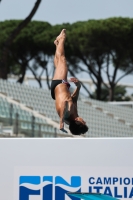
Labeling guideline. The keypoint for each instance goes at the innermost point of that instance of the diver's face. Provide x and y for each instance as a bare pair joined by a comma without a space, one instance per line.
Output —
79,120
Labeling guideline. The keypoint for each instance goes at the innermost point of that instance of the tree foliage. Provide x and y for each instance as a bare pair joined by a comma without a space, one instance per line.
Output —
120,94
98,44
101,48
4,69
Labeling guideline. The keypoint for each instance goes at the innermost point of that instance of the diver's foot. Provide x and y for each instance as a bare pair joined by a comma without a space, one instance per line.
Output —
62,35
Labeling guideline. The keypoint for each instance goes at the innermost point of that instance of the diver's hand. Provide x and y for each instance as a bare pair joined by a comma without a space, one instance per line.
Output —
63,130
62,127
75,81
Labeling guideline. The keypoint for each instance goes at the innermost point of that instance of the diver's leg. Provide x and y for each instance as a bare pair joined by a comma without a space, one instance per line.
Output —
60,59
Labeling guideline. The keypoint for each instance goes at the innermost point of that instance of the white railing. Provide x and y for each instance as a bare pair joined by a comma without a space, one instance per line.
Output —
122,103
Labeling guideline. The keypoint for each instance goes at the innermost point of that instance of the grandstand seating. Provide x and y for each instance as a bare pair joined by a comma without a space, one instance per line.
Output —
104,120
118,111
41,128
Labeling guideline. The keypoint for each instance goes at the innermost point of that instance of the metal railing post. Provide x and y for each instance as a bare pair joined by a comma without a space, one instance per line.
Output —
33,126
16,124
11,112
55,132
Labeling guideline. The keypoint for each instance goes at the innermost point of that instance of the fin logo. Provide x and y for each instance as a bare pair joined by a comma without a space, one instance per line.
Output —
48,187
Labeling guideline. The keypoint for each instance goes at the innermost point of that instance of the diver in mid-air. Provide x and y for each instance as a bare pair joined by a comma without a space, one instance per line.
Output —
65,102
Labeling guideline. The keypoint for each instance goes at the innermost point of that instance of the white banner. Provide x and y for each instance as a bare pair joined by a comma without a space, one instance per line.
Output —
53,183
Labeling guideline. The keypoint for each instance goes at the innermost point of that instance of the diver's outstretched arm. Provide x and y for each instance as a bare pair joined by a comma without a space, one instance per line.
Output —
62,115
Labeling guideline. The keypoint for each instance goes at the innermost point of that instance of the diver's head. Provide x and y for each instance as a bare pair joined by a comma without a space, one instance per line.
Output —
78,126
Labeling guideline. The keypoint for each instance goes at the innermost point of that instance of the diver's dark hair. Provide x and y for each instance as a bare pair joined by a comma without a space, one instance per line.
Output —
77,129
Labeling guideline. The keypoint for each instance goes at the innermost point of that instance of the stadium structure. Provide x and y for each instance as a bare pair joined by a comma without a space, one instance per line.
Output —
27,111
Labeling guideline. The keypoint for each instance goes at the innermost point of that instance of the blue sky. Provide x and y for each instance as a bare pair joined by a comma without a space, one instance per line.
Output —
59,11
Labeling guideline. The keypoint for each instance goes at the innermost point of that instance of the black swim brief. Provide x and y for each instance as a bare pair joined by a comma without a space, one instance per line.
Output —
55,83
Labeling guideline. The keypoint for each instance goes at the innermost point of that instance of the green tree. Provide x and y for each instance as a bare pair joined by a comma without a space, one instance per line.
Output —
30,50
4,70
101,48
120,94
98,44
